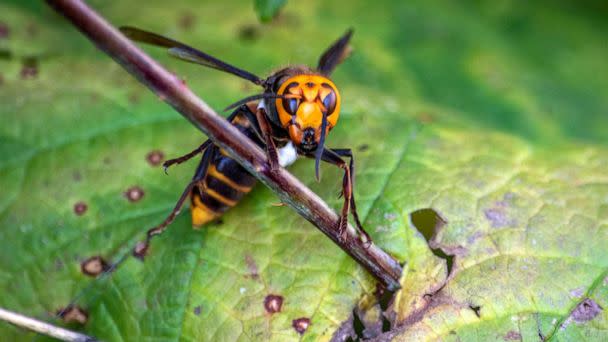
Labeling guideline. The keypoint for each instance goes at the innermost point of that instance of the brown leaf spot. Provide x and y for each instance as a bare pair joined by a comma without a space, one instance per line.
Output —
29,69
301,324
186,21
140,250
73,314
76,176
252,267
363,147
425,118
4,31
586,311
197,310
273,303
249,32
94,266
134,194
155,157
31,29
512,336
80,208
133,98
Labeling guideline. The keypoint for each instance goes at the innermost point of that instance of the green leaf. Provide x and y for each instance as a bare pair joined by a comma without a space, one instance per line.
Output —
268,9
492,116
527,229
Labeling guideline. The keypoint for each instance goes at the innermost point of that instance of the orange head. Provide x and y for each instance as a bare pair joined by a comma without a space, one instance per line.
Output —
306,102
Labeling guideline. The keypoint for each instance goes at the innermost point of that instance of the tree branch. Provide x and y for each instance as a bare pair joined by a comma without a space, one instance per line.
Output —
42,327
172,90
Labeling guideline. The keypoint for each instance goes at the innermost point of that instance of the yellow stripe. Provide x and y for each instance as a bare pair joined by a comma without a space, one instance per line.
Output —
241,121
200,213
215,173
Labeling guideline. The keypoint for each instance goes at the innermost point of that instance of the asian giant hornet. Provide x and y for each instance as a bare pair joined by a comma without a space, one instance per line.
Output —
298,107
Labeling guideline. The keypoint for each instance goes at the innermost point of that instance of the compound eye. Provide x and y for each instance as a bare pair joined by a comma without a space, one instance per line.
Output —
330,99
291,105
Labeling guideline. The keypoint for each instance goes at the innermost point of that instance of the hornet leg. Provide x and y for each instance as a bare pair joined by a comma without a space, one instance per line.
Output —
197,150
187,156
271,149
333,156
141,248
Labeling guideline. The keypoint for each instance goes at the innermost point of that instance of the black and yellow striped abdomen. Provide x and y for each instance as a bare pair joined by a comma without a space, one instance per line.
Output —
224,182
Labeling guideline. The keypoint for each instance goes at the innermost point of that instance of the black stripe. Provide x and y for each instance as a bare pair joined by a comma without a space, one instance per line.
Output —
211,203
233,171
223,189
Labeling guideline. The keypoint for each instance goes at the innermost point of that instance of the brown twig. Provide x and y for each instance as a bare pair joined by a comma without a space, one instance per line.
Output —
42,327
172,90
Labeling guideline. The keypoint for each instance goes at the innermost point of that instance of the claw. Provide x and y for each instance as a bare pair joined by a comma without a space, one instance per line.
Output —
365,239
273,160
274,165
168,164
342,230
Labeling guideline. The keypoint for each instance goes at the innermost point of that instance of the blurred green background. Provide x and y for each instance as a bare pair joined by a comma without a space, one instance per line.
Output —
447,105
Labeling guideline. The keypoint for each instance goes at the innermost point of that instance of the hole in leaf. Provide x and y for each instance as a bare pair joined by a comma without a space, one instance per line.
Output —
476,309
358,325
429,223
385,297
386,324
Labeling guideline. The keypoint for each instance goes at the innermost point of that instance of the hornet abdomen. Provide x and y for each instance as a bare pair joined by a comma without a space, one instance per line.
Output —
224,182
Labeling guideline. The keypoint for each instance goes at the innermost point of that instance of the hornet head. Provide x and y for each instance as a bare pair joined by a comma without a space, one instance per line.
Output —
308,109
